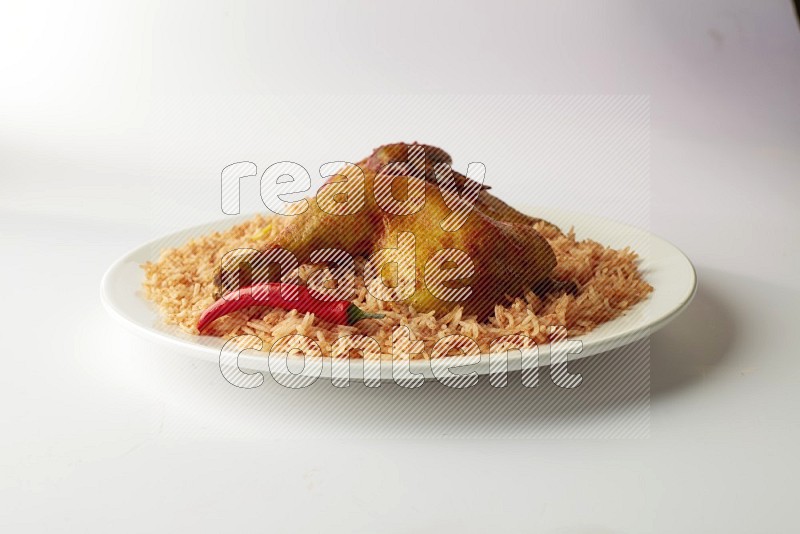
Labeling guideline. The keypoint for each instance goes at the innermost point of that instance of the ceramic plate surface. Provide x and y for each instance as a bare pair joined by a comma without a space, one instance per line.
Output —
665,267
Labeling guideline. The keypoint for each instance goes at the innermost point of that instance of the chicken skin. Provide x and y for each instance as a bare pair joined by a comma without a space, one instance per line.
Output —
395,197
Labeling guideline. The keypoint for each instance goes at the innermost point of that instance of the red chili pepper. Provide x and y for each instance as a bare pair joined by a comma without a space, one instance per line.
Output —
272,295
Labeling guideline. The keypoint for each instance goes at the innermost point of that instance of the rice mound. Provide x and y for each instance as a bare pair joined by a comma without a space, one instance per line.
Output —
181,284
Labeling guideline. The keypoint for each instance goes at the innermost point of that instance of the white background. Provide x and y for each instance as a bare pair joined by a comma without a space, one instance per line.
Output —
114,124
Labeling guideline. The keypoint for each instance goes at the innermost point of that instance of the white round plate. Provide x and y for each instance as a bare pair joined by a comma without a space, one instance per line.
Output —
665,267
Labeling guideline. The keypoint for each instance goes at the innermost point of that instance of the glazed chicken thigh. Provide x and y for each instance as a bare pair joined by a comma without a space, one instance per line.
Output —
365,209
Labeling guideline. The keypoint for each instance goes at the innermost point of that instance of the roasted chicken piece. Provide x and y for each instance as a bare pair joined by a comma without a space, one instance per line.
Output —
349,213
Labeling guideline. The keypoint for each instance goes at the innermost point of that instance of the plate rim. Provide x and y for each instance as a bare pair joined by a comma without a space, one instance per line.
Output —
422,366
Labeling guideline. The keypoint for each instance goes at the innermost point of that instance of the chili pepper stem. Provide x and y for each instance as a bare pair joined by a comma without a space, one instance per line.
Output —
355,314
